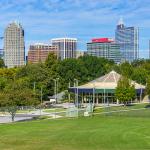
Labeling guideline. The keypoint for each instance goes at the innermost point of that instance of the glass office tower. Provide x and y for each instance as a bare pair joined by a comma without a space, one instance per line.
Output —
128,39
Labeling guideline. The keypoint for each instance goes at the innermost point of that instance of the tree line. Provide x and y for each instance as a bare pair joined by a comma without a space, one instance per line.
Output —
29,79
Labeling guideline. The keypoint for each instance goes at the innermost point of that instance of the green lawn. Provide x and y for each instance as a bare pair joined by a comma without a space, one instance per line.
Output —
54,110
93,133
118,108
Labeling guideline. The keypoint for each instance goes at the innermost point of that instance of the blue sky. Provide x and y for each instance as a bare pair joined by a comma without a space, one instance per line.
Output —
83,19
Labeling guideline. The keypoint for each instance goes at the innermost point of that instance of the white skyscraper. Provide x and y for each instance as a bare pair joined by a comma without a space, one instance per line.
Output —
14,48
66,46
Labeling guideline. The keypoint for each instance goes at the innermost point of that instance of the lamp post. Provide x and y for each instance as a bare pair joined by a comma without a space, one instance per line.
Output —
34,86
69,93
76,85
93,94
57,85
55,89
41,99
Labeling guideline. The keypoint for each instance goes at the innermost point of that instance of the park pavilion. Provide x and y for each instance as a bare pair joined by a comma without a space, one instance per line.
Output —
102,89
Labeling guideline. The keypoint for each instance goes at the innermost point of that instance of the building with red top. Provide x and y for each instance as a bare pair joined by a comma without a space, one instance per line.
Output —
104,47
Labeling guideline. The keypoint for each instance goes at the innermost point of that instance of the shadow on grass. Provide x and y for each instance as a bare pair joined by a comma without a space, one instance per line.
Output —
147,106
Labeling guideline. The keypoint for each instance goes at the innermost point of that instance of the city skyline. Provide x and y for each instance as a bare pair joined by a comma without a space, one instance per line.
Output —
85,19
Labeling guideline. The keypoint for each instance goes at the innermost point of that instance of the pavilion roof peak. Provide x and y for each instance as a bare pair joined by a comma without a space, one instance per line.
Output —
111,77
108,81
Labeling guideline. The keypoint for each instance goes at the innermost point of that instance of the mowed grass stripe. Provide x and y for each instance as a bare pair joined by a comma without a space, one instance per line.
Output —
93,133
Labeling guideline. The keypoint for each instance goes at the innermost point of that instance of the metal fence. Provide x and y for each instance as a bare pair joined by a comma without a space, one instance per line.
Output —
69,110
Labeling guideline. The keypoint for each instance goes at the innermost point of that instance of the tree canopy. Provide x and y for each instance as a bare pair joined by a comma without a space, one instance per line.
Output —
125,92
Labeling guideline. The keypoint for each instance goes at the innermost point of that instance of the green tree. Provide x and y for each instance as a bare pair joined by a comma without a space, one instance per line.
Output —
51,60
126,69
14,95
2,65
3,83
125,92
148,87
140,75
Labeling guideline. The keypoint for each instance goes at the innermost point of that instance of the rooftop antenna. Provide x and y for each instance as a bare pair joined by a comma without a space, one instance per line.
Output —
121,21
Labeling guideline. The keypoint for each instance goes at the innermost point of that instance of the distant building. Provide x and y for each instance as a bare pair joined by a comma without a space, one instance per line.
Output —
14,47
67,47
128,38
39,52
79,54
149,49
1,53
104,47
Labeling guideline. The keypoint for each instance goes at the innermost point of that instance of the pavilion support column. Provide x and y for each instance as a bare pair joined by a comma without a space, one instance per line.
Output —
117,102
86,98
82,98
89,98
97,99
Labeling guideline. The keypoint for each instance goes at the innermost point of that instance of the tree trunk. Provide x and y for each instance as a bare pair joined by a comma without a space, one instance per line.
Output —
13,117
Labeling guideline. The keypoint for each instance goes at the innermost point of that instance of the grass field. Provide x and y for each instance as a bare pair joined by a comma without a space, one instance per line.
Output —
113,132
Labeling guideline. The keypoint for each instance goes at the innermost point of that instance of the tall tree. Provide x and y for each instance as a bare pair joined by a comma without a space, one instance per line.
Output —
125,92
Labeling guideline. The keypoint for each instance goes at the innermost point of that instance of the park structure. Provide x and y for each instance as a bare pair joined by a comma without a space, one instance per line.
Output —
102,90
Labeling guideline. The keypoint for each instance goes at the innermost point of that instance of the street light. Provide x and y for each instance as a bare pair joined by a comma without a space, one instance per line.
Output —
76,85
34,86
69,93
93,94
41,99
57,91
56,88
76,101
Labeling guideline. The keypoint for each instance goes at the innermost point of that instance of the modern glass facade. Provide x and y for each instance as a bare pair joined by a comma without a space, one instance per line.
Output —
128,38
109,50
66,46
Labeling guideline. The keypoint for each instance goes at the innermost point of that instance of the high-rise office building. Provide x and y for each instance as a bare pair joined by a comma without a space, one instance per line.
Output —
67,47
14,47
104,47
39,52
128,38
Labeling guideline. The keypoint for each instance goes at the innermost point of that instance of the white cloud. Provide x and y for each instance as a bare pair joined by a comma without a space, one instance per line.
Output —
43,19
